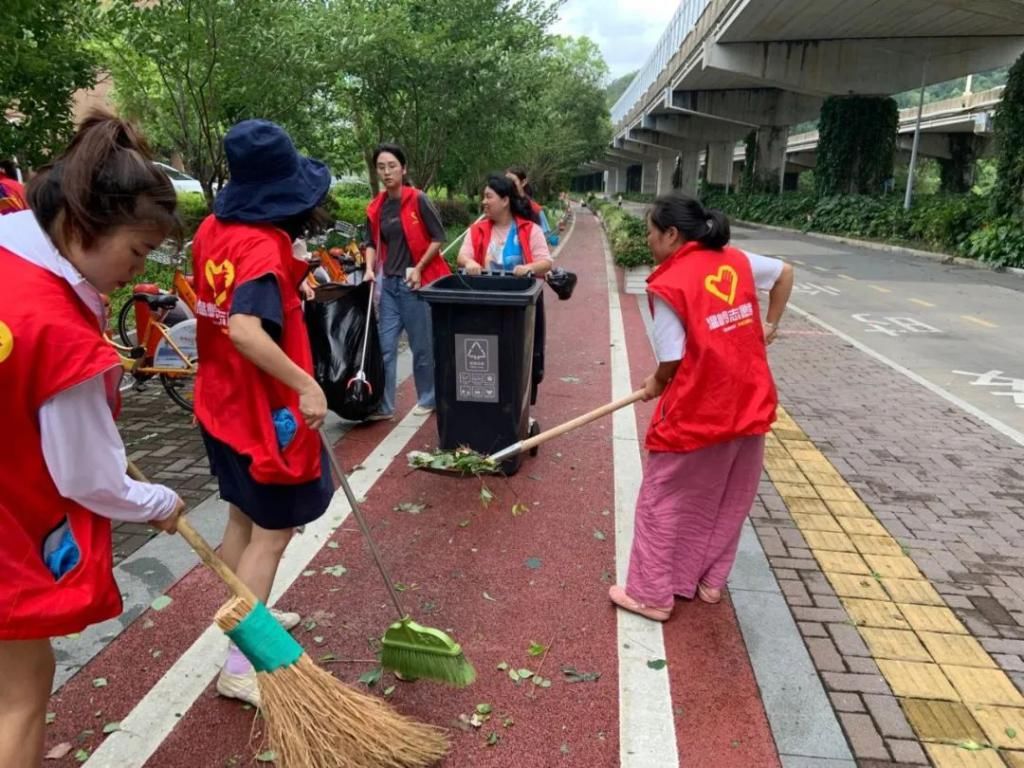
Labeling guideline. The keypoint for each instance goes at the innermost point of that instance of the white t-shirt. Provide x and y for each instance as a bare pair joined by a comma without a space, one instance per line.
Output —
669,333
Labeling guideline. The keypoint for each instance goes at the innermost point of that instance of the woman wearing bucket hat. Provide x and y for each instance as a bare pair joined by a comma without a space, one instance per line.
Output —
257,403
406,234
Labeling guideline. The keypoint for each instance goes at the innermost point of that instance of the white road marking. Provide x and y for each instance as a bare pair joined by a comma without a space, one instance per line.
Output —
155,715
997,379
647,732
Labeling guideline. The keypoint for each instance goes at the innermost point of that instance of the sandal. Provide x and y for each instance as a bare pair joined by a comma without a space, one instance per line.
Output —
618,596
709,594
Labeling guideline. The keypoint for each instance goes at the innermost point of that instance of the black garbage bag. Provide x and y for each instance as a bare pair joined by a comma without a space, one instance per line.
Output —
562,282
337,321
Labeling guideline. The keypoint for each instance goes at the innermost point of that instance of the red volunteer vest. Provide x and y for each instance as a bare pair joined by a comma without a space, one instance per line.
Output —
49,342
235,399
480,237
416,235
723,388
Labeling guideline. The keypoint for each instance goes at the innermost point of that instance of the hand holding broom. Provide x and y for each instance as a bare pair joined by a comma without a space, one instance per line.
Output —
313,719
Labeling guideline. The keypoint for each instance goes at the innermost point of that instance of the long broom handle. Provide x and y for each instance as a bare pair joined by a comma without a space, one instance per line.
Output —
203,549
358,515
579,421
366,332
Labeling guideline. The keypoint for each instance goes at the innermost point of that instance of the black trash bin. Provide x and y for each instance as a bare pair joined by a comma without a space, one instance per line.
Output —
483,329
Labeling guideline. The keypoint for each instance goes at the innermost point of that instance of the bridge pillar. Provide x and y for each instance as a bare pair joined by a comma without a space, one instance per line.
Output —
689,171
666,170
720,164
649,178
771,156
616,180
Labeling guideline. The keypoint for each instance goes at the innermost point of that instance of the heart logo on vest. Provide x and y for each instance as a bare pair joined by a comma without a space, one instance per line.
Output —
220,277
723,284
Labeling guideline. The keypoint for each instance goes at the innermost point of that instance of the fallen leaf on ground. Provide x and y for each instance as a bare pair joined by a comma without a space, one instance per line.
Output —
570,380
574,676
266,757
411,507
519,508
486,496
533,563
82,755
536,649
599,535
99,682
488,597
60,751
334,570
657,664
371,677
161,602
50,717
112,727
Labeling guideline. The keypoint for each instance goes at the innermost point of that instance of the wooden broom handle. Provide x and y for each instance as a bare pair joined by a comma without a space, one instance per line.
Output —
579,421
203,549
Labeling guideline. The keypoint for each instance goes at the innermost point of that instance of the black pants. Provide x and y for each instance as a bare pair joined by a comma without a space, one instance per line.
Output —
539,333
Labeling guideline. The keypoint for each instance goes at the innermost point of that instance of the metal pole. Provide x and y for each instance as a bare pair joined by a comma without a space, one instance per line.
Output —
908,199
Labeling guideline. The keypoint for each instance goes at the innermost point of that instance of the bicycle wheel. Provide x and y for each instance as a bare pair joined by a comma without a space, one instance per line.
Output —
181,389
126,323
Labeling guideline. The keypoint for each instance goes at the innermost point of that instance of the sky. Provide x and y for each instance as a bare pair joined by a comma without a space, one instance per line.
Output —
625,30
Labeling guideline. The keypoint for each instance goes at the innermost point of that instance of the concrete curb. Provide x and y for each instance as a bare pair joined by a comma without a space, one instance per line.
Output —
943,258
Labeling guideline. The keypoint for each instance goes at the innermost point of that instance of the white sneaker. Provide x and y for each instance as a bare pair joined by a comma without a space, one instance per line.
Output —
241,687
378,416
287,619
422,410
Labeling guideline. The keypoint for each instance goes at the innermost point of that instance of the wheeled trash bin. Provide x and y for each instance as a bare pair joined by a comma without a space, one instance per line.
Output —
483,328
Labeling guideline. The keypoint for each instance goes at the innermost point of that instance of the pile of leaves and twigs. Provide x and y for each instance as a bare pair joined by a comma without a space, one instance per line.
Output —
461,460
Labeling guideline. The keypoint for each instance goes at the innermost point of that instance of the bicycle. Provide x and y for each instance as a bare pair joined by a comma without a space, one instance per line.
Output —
167,352
136,313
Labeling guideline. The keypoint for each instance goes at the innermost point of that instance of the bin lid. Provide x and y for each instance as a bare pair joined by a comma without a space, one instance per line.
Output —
487,290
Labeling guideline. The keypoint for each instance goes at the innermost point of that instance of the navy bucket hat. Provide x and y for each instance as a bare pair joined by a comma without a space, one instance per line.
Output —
270,180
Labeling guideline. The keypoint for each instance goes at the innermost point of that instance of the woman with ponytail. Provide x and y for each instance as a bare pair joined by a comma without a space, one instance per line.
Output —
717,402
508,239
95,214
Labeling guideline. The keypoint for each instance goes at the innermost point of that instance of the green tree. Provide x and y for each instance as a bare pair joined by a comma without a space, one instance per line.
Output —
187,70
618,86
446,80
44,59
1008,194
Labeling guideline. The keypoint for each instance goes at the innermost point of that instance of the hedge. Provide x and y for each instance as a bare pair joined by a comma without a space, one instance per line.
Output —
961,225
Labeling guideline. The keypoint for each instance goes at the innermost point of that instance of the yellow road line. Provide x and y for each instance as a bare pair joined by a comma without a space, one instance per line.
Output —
978,321
922,303
879,288
951,689
847,277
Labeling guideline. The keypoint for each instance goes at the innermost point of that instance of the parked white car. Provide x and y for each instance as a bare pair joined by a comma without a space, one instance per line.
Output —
182,181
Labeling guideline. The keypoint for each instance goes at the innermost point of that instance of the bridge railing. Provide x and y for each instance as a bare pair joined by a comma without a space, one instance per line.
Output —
682,23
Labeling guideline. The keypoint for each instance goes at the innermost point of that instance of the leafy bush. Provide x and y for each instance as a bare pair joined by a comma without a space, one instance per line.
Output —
627,235
454,212
192,209
352,189
941,222
343,208
1000,243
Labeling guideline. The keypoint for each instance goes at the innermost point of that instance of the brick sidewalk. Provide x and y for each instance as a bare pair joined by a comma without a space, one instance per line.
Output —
947,487
160,439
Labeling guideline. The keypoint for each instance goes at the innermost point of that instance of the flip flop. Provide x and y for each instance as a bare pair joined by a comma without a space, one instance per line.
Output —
618,596
709,594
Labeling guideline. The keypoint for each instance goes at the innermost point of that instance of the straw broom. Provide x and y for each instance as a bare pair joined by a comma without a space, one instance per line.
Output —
313,719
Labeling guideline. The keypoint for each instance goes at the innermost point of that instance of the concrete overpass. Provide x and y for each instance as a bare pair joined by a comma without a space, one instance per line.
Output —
725,67
970,114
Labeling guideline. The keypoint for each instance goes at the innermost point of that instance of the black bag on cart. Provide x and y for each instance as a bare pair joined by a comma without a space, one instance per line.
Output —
347,360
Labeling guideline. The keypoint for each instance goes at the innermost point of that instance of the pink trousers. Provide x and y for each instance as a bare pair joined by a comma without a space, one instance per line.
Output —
689,516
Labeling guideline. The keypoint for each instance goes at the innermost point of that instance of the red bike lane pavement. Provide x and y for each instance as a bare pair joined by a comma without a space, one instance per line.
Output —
530,569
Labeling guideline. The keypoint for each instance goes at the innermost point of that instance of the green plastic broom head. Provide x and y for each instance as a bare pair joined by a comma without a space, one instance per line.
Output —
415,651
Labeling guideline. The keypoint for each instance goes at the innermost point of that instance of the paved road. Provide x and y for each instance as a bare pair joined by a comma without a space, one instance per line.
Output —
943,322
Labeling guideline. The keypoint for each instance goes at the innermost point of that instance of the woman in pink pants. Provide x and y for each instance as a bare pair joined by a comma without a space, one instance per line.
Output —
717,402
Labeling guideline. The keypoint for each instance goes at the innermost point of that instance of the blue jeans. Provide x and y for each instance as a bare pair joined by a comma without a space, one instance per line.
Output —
401,308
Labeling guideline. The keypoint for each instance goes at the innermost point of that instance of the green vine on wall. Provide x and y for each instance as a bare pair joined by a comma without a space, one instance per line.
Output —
1009,129
857,145
957,173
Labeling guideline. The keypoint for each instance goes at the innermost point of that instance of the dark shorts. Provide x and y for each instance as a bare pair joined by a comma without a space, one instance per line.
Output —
273,507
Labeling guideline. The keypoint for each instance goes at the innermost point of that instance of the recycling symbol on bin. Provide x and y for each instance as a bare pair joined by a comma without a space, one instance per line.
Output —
477,354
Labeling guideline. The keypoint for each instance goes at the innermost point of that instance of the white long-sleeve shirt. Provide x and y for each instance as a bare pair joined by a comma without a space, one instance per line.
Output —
81,446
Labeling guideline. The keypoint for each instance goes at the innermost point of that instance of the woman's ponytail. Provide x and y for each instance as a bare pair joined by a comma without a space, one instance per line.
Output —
710,228
104,179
